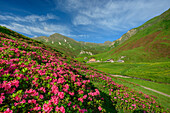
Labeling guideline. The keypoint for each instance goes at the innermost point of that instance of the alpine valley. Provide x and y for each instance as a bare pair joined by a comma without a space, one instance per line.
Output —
47,74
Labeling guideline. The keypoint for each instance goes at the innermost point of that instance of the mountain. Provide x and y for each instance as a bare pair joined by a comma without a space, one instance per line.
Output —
35,77
72,47
148,42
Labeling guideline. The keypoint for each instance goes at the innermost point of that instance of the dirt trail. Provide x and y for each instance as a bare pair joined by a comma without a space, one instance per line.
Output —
143,86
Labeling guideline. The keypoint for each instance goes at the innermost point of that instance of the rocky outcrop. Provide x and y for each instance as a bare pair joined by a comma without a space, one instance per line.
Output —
86,52
129,34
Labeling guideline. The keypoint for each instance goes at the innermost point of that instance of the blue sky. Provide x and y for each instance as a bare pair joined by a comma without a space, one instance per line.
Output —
83,20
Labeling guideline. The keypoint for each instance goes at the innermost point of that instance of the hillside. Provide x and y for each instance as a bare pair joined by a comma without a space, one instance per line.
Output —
72,47
149,42
37,78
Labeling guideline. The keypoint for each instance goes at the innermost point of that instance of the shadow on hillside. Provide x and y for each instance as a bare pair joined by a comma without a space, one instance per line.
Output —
108,105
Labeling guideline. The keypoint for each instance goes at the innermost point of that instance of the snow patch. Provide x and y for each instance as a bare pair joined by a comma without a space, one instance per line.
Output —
86,52
46,40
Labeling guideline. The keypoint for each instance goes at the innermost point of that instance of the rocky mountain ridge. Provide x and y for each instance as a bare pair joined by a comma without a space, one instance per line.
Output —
72,47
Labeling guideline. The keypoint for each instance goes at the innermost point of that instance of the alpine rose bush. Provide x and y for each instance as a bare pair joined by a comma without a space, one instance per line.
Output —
38,78
33,79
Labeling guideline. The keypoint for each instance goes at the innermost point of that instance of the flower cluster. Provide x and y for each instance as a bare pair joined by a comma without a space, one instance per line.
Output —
124,98
39,79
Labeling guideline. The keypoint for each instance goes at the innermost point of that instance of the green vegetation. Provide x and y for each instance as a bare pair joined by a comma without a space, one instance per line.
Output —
153,85
158,97
150,43
147,52
73,48
158,72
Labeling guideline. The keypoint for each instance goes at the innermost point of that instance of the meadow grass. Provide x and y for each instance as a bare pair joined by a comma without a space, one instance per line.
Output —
158,71
153,85
133,68
163,100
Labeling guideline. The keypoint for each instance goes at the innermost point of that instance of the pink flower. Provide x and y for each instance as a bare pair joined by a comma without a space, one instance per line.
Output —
15,83
133,98
6,85
71,93
23,101
85,96
34,82
90,98
62,109
55,100
41,96
8,111
42,89
37,108
99,108
36,85
46,107
61,80
25,96
11,90
17,98
81,92
29,101
80,99
61,95
15,104
32,101
67,86
54,89
1,98
134,105
78,83
74,106
82,110
69,104
57,108
97,91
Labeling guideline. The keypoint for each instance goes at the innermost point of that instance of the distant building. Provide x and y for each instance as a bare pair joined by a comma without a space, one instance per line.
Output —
98,61
85,58
92,60
110,60
122,56
120,61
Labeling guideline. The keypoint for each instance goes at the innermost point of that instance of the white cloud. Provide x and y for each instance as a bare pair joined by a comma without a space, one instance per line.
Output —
28,18
81,20
113,14
41,28
18,27
34,24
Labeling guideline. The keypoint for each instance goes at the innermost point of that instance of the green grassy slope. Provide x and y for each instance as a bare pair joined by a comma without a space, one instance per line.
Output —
72,47
150,43
158,72
37,78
